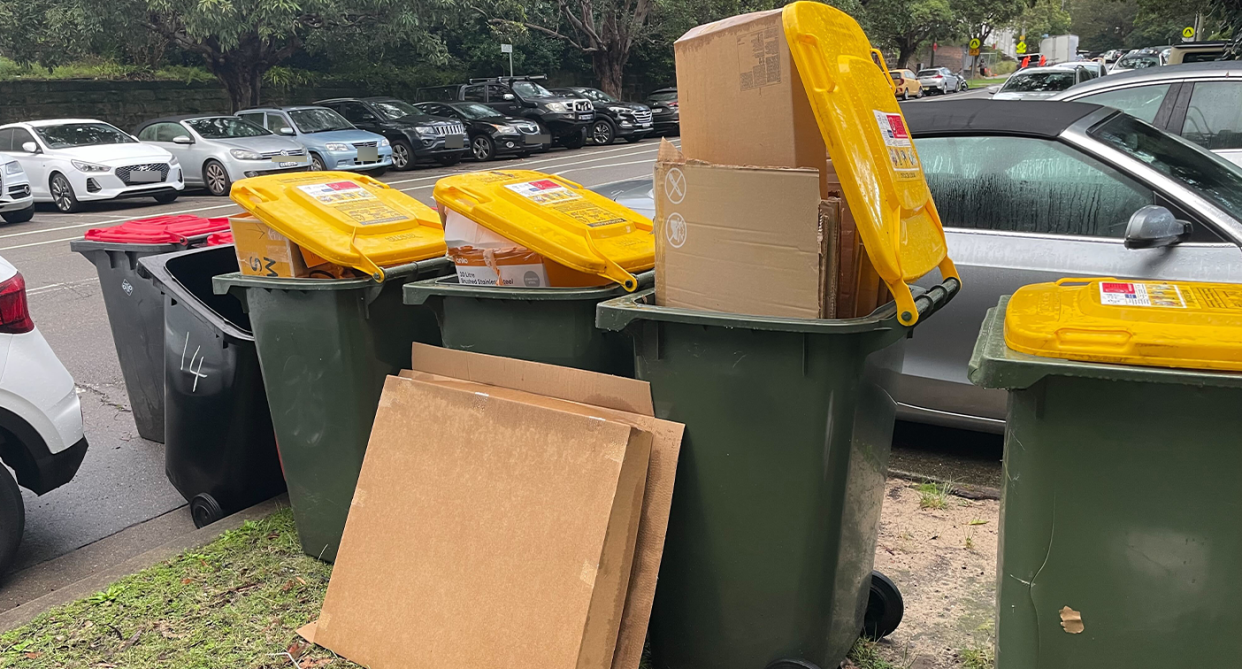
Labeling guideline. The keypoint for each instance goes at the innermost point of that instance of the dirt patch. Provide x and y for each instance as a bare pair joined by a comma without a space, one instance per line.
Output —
944,563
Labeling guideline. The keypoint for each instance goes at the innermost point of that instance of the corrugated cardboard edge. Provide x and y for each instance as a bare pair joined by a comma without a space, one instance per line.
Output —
724,24
829,244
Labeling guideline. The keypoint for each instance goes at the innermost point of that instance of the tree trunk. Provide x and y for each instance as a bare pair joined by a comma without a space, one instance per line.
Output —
609,66
904,51
242,80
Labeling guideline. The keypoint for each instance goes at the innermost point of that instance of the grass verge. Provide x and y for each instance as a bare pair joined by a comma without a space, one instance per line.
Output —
233,603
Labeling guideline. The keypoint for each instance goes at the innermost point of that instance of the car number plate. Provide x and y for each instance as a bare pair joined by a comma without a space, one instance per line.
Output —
455,142
644,125
587,116
145,177
368,154
289,161
537,139
288,164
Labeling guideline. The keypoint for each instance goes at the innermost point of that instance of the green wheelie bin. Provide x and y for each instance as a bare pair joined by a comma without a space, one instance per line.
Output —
549,325
325,347
772,534
1119,537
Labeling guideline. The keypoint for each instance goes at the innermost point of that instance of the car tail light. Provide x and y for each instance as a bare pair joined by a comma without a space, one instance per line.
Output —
672,104
14,312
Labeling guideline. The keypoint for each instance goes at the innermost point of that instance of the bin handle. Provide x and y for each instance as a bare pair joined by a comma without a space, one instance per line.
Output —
462,196
937,296
245,195
879,57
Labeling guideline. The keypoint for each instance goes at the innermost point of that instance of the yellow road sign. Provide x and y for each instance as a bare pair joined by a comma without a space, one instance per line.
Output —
975,44
974,52
1021,47
1188,32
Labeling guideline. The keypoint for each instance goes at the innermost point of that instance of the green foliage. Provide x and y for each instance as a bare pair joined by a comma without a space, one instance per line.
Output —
979,18
977,658
905,25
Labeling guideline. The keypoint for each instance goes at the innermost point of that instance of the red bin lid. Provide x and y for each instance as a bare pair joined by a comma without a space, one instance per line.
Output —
159,230
220,238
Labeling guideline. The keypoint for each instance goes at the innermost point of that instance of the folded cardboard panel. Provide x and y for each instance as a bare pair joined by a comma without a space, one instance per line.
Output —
486,531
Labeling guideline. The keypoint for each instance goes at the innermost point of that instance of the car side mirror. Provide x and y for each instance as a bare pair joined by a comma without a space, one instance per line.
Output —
30,147
507,97
183,139
286,131
992,90
1154,226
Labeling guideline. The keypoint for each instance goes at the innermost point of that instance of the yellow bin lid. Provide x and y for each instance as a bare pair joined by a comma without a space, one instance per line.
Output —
556,218
345,218
870,147
1151,323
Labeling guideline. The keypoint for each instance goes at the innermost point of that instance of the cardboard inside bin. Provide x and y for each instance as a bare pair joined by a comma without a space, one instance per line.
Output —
262,251
583,394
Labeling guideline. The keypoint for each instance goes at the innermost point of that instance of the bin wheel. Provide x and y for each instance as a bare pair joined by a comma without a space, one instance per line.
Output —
205,510
791,664
884,608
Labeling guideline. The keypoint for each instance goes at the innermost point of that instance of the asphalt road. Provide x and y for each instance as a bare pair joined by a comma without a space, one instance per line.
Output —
121,482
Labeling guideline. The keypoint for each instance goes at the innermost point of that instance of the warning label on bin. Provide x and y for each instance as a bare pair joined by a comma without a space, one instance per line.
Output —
1132,294
544,191
897,139
354,201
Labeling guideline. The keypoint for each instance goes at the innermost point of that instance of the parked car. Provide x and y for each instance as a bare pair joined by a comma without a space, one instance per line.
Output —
665,114
941,80
1196,52
1094,68
1037,191
72,161
566,117
1200,101
1136,60
215,150
492,133
1038,83
630,121
414,135
333,142
907,85
16,201
41,437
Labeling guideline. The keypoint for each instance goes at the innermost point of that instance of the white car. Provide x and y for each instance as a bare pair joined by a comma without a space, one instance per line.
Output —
41,436
16,202
71,161
1039,83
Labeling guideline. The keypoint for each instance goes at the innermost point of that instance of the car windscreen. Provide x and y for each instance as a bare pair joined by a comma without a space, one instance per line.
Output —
319,120
395,109
477,111
1038,81
70,135
665,96
1198,169
1200,57
895,75
529,89
1139,61
597,95
225,127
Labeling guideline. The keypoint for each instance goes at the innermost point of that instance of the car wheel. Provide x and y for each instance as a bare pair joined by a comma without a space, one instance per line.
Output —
602,132
449,161
216,178
905,95
574,141
317,163
166,198
482,147
12,519
19,216
62,194
402,155
965,86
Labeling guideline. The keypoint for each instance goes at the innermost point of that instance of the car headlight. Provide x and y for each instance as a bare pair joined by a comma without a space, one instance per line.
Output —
558,107
337,146
83,166
173,162
385,142
426,131
621,110
242,154
503,127
13,168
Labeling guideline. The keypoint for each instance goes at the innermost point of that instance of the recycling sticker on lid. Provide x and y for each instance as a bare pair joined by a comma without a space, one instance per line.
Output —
354,201
900,149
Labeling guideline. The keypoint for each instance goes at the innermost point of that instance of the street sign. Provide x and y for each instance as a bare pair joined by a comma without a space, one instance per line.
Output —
1021,47
975,44
974,52
506,48
935,46
1188,32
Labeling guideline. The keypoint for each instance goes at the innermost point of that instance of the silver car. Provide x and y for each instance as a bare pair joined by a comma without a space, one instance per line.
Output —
215,150
1038,191
941,80
1199,101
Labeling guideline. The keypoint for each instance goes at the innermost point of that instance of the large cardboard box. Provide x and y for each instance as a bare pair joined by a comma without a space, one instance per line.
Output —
741,99
548,621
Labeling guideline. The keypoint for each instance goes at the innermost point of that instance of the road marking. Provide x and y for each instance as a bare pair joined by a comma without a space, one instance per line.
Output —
527,162
597,167
114,220
54,286
50,241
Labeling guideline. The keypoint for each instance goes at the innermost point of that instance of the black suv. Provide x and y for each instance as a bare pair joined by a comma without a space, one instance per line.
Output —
613,118
414,135
567,118
492,134
664,112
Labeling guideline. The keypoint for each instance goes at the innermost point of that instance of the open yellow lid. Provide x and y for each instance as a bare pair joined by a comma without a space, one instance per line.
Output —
345,218
1151,323
870,147
557,219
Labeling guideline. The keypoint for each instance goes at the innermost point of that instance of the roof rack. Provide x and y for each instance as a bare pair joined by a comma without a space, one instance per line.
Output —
535,77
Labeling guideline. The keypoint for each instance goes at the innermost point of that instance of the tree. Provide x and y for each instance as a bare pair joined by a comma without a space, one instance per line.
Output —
1229,13
976,19
905,25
